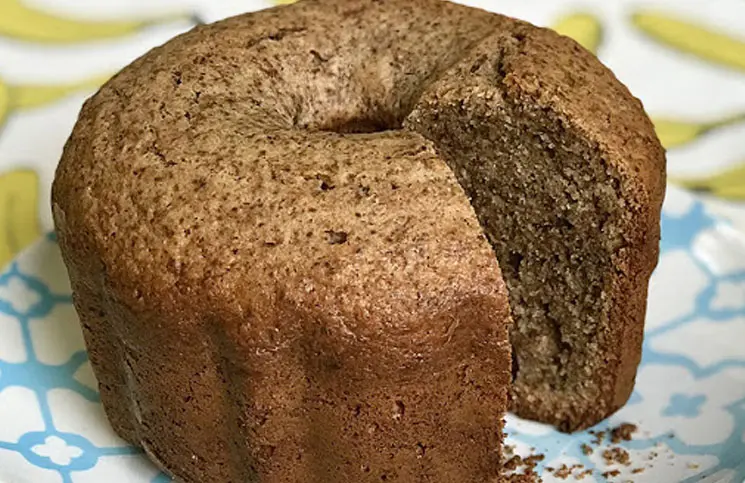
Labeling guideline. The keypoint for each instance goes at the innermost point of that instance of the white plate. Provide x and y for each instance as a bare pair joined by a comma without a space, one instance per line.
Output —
689,402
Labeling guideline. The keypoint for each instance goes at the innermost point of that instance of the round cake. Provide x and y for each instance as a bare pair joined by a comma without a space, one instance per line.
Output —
284,234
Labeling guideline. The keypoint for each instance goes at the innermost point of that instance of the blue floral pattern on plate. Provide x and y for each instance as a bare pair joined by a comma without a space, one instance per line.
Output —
689,401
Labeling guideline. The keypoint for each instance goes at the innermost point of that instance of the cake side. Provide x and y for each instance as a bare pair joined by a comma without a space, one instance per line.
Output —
350,322
245,412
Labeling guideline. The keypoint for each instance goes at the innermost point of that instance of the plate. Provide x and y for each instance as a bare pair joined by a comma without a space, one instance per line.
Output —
688,406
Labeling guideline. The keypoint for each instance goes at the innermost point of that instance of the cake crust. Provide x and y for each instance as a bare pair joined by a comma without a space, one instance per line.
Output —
266,296
279,276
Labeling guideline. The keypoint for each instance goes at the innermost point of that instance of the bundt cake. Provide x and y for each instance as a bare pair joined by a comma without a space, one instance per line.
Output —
281,228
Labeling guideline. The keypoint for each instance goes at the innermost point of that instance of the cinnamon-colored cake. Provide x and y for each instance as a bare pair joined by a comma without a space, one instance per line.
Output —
281,232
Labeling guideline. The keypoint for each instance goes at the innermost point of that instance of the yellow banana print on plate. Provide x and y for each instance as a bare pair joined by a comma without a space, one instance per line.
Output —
583,27
19,222
692,38
729,184
23,22
675,133
28,96
4,102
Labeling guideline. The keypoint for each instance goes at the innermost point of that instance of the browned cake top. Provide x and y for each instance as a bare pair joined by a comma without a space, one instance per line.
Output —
262,159
200,177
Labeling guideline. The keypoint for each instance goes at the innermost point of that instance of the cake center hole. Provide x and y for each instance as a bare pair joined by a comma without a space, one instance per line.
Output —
366,124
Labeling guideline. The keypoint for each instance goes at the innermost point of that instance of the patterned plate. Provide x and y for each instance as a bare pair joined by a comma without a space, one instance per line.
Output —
689,402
